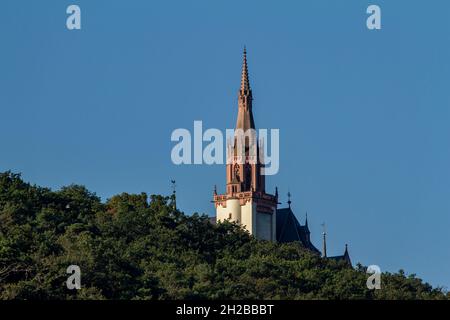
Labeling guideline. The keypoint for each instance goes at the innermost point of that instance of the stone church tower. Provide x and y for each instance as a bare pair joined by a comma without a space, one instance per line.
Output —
246,201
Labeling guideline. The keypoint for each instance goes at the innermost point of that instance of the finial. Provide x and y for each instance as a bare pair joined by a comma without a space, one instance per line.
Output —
289,198
174,196
324,234
245,83
215,189
276,192
306,219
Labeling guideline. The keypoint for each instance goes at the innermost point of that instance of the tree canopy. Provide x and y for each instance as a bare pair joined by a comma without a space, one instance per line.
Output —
139,247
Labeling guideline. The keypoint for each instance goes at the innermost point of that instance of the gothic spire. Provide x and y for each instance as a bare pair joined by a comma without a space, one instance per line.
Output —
245,83
347,255
245,119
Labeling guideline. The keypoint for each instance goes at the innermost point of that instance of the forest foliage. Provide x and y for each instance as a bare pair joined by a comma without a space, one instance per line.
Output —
139,247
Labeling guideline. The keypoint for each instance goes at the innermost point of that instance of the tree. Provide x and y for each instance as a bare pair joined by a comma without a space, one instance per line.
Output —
133,247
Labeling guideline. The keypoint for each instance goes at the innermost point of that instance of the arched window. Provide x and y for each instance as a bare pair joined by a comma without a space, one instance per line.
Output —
236,172
248,177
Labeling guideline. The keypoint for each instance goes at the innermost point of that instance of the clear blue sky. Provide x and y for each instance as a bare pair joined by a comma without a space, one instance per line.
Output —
363,115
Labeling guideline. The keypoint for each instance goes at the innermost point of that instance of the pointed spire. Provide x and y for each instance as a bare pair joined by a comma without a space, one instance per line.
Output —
307,232
245,83
245,119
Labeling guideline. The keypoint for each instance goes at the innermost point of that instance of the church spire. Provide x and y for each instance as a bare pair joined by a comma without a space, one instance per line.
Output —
246,201
245,116
245,83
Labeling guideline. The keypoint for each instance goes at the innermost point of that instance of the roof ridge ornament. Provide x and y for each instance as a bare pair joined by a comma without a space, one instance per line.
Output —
289,199
324,243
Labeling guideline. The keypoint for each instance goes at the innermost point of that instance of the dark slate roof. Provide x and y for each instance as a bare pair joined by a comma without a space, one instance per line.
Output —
345,257
290,230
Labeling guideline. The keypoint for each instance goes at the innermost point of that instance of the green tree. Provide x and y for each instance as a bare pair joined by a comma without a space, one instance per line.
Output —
136,247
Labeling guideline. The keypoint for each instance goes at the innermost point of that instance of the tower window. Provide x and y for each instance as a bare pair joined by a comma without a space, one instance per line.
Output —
248,177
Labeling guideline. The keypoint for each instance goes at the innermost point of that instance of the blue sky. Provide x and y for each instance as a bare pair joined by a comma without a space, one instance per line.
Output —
363,115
